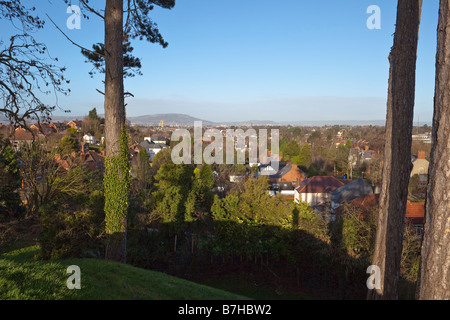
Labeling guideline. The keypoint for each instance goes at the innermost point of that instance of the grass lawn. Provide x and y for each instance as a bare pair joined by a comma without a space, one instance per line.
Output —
24,277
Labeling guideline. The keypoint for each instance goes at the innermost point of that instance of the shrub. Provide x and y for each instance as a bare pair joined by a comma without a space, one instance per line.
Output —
66,233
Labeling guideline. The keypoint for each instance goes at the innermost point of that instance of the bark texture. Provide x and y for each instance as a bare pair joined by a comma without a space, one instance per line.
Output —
397,155
114,127
434,278
114,89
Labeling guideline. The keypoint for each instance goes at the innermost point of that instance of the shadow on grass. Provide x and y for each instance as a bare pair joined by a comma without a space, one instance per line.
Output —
262,262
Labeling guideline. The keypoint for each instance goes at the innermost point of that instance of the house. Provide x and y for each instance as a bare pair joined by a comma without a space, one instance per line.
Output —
291,173
286,179
318,189
22,136
59,126
287,190
93,160
159,139
352,190
361,155
76,124
366,203
89,138
43,128
133,152
65,163
267,170
415,214
415,211
152,148
424,137
420,167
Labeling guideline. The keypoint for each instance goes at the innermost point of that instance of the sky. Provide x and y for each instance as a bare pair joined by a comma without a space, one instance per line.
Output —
239,60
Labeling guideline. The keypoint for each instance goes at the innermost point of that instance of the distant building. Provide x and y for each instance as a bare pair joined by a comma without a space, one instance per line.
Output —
93,160
22,136
415,211
89,138
352,190
424,137
152,148
43,128
317,190
76,124
59,126
286,179
159,139
420,167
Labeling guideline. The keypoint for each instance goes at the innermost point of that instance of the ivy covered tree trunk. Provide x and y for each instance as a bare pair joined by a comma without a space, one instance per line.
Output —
116,163
434,277
397,155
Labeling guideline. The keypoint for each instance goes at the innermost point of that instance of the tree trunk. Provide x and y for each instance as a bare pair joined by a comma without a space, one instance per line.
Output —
397,155
114,90
114,125
434,277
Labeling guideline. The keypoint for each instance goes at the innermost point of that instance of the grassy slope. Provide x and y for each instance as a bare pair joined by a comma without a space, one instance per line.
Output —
22,277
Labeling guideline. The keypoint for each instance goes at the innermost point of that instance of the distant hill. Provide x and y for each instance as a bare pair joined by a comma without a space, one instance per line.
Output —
172,119
177,119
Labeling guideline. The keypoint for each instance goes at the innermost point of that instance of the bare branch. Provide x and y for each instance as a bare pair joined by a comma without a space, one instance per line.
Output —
73,42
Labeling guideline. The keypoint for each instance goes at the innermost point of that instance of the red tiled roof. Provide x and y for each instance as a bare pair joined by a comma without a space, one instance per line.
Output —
366,201
22,135
321,184
415,211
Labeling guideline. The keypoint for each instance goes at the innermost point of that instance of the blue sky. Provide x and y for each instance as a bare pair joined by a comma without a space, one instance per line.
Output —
287,60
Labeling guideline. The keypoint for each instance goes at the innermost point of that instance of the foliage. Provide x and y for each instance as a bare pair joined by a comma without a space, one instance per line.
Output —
358,232
341,161
9,179
67,145
172,191
72,223
138,25
304,158
415,186
66,234
117,186
289,149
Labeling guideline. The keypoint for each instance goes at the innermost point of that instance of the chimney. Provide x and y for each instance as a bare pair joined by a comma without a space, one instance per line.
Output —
421,154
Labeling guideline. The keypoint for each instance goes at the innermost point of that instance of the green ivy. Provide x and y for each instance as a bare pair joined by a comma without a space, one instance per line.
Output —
117,183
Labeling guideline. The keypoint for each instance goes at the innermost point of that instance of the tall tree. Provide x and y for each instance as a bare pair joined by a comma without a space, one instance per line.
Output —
397,162
434,277
113,57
